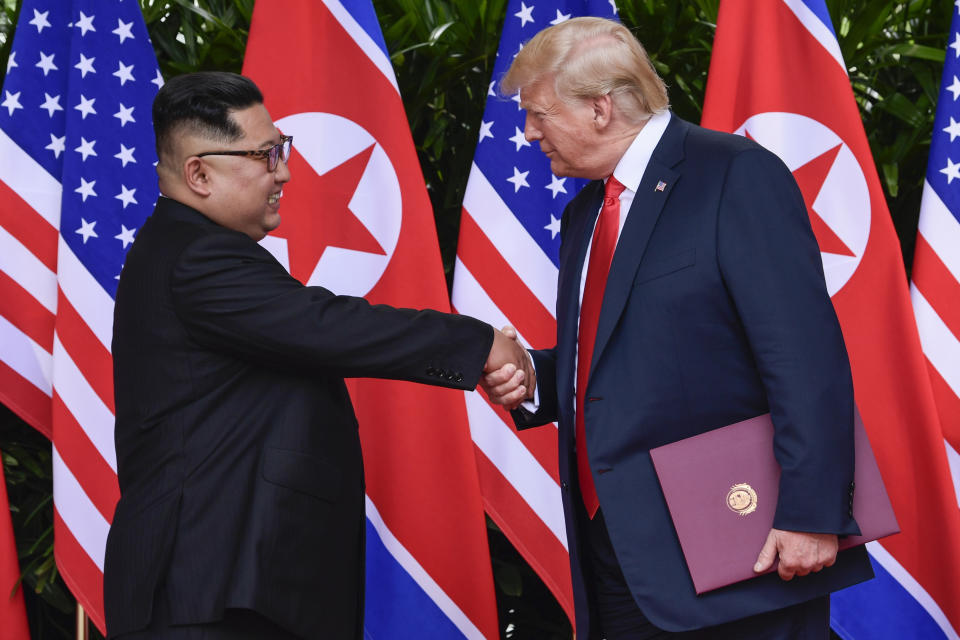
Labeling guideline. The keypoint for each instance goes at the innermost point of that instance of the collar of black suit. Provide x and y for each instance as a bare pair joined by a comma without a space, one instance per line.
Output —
175,210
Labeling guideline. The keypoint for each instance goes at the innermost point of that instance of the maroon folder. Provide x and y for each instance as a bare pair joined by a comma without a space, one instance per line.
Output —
721,488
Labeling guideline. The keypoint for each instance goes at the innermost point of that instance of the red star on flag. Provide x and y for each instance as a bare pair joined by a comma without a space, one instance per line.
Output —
316,212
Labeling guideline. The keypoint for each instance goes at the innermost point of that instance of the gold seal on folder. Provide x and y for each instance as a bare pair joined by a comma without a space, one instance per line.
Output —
742,499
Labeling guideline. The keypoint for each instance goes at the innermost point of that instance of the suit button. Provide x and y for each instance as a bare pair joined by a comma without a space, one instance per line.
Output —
431,371
450,376
459,377
564,486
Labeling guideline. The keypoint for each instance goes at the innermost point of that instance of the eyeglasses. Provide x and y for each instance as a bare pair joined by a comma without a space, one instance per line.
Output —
271,155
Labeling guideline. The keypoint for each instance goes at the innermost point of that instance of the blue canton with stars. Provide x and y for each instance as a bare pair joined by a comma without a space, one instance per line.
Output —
517,169
80,83
943,167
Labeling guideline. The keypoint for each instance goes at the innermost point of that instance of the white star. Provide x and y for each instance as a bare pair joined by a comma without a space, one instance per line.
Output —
519,49
123,31
11,102
124,72
86,107
85,23
86,148
556,185
158,80
40,20
46,63
125,155
525,14
613,5
518,139
126,197
955,45
86,189
11,63
126,235
86,230
516,98
485,128
51,104
553,227
520,179
953,129
951,171
955,87
561,17
85,66
125,115
57,145
957,4
490,91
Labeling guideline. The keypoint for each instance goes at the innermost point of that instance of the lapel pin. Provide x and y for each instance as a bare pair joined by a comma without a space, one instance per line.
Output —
661,185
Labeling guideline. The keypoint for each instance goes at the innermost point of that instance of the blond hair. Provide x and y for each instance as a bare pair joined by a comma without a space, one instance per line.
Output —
589,58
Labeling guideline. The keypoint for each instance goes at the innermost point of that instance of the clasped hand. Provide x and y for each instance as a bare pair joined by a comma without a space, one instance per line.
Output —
509,377
800,553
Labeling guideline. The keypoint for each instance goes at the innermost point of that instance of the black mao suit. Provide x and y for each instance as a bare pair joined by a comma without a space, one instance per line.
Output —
715,310
238,453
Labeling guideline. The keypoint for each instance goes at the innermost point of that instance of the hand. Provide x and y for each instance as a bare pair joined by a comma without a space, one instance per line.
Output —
504,383
800,553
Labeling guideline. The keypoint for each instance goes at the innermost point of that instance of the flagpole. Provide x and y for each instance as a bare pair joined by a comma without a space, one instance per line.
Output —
82,626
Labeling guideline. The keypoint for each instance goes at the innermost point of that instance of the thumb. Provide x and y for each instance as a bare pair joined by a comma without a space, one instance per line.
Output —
767,554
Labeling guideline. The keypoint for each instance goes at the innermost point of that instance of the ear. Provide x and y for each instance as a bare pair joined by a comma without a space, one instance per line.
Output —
196,176
602,111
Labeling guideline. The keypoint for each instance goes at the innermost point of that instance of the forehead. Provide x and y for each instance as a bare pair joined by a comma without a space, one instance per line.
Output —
256,124
538,93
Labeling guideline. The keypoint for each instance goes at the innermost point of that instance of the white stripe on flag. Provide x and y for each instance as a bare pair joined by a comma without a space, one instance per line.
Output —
469,298
817,29
25,356
86,295
420,576
28,271
954,459
517,464
31,181
907,581
484,205
363,40
93,416
940,229
939,344
77,511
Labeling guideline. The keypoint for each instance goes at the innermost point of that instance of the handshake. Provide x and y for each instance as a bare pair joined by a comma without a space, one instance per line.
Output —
508,377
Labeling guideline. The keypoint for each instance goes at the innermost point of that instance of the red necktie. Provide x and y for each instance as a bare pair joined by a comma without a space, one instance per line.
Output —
601,255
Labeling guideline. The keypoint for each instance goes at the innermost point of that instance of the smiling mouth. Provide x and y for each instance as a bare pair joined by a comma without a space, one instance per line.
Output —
275,197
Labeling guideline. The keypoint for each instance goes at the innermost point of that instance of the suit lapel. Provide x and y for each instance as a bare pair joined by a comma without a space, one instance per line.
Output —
658,181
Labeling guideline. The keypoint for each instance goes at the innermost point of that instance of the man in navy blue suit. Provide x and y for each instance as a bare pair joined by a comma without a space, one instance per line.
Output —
691,295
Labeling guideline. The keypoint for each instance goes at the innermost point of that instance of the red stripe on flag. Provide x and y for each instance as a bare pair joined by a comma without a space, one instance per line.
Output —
97,478
526,531
25,400
81,574
948,406
542,443
86,350
504,286
23,311
937,285
26,225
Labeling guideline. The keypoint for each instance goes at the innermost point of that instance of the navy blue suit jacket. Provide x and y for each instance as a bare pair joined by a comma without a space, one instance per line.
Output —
715,311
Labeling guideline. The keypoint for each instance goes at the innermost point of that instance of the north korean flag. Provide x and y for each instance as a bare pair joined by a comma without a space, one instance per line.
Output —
777,76
357,220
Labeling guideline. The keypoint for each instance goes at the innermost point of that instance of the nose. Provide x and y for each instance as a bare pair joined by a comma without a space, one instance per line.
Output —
530,130
282,172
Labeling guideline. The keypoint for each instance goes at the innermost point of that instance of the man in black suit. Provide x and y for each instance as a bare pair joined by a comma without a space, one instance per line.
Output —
242,495
690,296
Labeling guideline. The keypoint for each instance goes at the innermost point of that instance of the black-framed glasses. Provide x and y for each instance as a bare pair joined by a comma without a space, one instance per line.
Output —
271,155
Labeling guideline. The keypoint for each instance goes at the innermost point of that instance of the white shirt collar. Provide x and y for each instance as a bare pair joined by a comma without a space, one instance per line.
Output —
629,171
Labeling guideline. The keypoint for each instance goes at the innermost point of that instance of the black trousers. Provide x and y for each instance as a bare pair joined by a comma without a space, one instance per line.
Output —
616,616
237,624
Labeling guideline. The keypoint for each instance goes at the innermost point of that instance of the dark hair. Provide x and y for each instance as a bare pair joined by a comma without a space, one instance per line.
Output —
201,103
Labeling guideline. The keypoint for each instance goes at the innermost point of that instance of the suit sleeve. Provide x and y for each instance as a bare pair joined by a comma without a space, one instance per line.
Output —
771,266
234,297
545,364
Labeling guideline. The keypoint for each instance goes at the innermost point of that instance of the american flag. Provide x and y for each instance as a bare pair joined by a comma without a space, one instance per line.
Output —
76,181
506,273
935,289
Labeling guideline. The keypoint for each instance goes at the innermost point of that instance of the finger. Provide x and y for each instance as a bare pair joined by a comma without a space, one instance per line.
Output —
767,554
509,386
499,376
514,399
509,331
